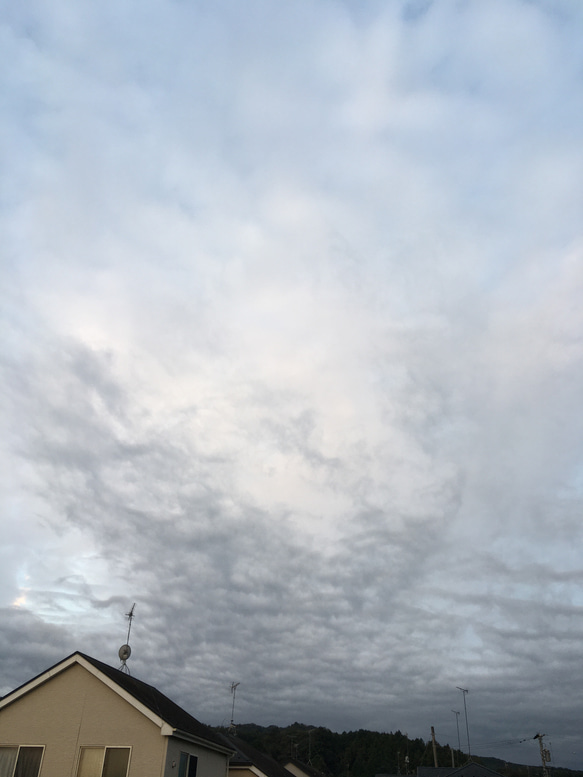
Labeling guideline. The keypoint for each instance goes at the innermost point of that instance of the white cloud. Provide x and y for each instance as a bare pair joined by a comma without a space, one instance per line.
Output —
292,353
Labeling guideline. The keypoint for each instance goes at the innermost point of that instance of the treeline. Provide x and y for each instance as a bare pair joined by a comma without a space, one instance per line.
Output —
368,753
349,754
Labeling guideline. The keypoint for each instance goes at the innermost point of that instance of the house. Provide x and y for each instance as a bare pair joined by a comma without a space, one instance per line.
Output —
436,771
300,769
83,718
250,762
469,769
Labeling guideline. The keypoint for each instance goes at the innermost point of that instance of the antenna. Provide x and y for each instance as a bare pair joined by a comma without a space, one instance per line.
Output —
125,651
234,687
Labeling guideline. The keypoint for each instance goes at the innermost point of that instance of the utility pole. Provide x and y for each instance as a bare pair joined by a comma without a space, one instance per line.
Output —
434,747
234,687
457,722
465,692
310,746
545,755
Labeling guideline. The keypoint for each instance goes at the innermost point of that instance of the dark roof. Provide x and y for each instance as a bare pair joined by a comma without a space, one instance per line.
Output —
147,695
470,769
247,755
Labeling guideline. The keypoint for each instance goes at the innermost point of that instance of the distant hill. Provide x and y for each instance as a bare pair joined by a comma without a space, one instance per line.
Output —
368,753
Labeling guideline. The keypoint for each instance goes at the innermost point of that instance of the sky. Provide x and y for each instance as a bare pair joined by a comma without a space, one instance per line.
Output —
292,358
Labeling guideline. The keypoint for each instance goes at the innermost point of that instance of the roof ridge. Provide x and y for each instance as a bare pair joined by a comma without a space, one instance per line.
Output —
143,693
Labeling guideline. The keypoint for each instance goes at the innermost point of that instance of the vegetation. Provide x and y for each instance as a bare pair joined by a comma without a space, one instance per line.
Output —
367,753
350,754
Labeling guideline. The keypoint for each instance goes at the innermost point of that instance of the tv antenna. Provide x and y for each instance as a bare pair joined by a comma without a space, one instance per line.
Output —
125,651
234,687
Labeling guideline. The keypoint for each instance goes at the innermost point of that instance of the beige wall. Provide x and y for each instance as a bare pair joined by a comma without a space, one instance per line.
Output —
296,771
74,708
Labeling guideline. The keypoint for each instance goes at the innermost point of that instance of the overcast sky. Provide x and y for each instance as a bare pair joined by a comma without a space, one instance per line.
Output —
292,358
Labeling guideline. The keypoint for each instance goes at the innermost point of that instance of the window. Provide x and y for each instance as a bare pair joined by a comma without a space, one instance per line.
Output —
20,761
188,764
103,762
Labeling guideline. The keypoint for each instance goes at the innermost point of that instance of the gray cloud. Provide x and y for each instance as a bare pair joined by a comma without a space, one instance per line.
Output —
292,358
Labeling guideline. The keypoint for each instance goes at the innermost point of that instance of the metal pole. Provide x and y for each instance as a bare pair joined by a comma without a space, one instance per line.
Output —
457,722
545,756
310,745
434,747
465,691
234,687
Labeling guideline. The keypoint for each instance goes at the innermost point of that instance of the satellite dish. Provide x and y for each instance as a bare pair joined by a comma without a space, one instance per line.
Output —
125,651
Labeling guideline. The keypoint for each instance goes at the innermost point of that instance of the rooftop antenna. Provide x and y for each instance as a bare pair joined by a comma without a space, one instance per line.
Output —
125,651
465,691
234,687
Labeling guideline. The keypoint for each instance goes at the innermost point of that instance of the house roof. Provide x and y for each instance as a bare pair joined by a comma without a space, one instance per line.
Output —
470,769
248,756
166,713
307,769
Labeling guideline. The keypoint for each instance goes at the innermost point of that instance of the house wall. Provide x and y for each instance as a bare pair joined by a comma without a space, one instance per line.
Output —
295,770
73,709
210,764
239,771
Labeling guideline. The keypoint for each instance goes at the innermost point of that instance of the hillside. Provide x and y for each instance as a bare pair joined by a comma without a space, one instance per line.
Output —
367,753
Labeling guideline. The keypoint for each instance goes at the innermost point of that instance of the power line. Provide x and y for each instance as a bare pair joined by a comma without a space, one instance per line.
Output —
482,745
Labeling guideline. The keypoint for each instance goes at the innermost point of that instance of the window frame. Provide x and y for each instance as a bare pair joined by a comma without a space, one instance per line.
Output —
18,749
189,757
104,749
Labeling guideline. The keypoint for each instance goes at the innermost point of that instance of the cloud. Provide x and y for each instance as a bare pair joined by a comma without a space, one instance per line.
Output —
293,357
